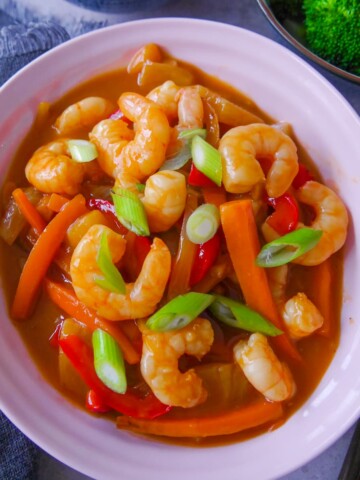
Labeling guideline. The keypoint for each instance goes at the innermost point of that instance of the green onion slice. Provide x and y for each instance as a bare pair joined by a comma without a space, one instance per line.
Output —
108,361
184,154
179,312
191,133
82,151
140,187
237,315
112,279
203,223
288,247
207,159
130,211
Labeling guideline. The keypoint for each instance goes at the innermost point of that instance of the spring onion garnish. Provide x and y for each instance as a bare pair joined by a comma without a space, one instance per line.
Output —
82,151
140,187
112,279
184,154
207,159
288,247
237,315
108,361
130,211
190,134
203,223
179,312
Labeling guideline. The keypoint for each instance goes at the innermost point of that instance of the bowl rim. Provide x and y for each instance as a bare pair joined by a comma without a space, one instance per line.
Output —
13,416
269,14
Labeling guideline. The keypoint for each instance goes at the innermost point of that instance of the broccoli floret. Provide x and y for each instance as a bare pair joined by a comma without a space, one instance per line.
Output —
333,31
287,9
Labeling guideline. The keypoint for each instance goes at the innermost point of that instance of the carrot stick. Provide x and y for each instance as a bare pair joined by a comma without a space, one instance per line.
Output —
234,421
56,202
66,299
42,254
181,270
214,195
29,211
243,244
321,295
217,273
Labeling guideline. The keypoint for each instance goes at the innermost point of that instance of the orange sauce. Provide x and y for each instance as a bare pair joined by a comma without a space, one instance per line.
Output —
317,351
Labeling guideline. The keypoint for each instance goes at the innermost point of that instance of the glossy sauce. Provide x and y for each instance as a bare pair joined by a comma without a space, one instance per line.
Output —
317,351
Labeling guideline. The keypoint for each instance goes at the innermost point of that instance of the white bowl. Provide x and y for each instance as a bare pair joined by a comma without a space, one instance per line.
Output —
287,88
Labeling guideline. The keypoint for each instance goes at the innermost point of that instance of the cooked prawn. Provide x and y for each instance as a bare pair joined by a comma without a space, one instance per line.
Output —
165,96
159,362
164,199
83,114
241,147
110,137
301,316
263,369
141,297
51,169
190,109
144,155
331,218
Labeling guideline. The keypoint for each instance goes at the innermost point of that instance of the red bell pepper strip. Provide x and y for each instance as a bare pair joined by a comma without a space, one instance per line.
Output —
94,403
82,358
205,256
55,336
286,215
142,246
302,176
108,209
198,179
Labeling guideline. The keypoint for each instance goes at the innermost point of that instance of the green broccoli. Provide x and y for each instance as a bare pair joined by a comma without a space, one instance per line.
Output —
333,31
287,9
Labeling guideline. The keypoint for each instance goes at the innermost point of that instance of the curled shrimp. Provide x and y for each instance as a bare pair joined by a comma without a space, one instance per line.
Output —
110,137
165,96
190,108
277,277
51,169
83,114
141,297
144,155
263,369
331,218
164,199
301,317
159,362
241,147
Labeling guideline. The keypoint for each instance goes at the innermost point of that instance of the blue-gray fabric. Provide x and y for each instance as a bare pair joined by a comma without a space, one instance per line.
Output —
29,28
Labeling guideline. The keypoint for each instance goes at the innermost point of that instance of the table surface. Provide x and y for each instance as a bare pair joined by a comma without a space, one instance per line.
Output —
246,14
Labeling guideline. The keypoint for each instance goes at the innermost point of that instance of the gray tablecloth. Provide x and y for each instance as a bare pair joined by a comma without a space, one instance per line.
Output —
31,27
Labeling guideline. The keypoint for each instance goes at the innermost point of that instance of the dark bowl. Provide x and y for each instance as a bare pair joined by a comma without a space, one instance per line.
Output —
301,47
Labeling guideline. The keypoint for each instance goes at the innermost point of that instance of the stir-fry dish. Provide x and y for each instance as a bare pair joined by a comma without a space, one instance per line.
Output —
172,258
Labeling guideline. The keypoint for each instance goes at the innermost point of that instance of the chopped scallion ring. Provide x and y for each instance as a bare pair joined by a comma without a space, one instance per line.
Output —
108,361
237,315
130,211
82,151
184,154
179,312
203,223
288,247
112,279
207,159
190,134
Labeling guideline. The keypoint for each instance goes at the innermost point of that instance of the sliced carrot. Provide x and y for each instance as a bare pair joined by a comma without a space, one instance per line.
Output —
32,216
66,299
321,295
214,195
56,202
42,255
217,273
181,270
243,244
234,421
